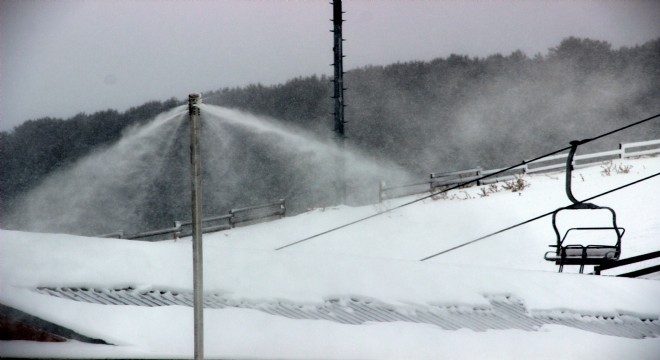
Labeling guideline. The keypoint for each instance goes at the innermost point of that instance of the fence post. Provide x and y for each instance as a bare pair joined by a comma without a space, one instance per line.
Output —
177,233
381,185
231,218
431,187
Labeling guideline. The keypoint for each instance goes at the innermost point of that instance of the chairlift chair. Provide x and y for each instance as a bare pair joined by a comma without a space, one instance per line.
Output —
584,253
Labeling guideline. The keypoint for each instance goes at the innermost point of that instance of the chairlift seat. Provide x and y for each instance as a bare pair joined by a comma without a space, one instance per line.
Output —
585,254
582,254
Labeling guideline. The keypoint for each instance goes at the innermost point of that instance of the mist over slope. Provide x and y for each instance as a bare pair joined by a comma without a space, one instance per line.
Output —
417,117
459,111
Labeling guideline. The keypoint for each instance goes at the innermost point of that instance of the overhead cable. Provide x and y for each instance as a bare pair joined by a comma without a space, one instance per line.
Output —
534,219
522,163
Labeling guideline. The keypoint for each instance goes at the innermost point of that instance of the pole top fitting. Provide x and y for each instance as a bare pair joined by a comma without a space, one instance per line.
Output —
194,100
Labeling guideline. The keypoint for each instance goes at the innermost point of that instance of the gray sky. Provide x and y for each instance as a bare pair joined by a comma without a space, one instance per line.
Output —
59,58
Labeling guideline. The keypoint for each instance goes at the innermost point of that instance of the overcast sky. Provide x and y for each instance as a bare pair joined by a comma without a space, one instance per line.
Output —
59,58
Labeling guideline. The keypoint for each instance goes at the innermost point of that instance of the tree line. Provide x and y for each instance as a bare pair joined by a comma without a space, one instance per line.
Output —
445,114
466,111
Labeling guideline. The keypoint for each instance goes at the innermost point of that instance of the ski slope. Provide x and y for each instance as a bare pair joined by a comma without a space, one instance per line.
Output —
375,261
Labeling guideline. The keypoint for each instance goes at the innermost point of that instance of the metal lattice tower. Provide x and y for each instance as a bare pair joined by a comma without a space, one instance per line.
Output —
339,68
339,93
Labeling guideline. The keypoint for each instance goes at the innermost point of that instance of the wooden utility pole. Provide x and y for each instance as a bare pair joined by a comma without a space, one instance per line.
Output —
339,95
196,181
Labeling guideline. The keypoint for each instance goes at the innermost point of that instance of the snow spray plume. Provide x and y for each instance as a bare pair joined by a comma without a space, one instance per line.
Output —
107,190
541,111
143,181
458,112
262,159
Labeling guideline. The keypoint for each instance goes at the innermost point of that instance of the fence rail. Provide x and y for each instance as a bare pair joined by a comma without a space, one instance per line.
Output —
438,180
235,217
547,164
632,260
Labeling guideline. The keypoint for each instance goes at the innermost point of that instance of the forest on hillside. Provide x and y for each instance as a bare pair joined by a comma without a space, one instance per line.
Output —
423,116
460,111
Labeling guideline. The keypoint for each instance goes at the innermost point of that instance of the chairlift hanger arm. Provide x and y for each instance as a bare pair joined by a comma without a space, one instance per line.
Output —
579,254
569,168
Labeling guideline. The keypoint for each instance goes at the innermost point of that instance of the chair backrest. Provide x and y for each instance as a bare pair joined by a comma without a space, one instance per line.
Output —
578,205
603,234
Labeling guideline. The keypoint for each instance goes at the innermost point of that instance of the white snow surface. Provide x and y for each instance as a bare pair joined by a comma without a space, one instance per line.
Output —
376,259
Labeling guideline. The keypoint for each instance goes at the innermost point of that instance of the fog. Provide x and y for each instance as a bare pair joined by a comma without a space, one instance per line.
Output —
405,121
500,110
59,58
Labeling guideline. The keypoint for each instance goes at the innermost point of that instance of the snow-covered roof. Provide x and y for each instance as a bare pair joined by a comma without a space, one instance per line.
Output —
359,292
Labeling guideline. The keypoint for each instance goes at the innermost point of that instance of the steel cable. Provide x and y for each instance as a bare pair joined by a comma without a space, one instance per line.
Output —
535,218
522,163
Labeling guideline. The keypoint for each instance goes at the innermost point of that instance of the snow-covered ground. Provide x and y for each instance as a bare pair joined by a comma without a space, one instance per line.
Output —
377,259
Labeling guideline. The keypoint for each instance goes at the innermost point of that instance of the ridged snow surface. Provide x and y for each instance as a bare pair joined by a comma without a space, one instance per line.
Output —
358,292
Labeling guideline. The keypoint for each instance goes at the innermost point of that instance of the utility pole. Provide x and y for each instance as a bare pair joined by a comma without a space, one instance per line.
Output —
339,95
196,176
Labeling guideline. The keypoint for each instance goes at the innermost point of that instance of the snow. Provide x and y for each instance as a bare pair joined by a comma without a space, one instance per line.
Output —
375,259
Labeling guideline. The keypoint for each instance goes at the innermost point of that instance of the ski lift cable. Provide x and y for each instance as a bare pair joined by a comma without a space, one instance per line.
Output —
419,199
535,218
522,163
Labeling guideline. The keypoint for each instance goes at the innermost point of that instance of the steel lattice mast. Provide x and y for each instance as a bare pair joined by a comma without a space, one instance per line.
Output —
339,93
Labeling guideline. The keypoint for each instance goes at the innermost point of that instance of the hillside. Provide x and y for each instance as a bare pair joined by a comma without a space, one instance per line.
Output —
369,267
457,112
445,114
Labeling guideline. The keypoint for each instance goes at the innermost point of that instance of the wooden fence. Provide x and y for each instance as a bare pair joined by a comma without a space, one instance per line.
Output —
436,181
444,180
234,218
